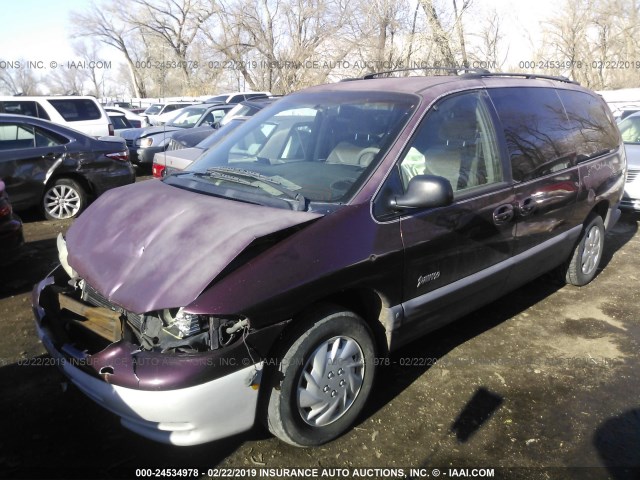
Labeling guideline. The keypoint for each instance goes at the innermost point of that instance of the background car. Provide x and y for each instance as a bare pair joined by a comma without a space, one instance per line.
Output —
236,97
119,121
137,121
57,168
154,110
171,161
630,131
11,237
81,113
179,154
144,143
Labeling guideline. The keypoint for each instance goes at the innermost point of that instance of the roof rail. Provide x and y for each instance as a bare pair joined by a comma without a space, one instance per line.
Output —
477,71
558,78
469,72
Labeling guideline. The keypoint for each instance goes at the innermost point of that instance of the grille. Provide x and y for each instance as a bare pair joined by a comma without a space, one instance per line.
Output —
174,145
91,296
632,175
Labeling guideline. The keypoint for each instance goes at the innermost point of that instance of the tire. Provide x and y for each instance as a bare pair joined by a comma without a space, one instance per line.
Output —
323,378
584,262
64,198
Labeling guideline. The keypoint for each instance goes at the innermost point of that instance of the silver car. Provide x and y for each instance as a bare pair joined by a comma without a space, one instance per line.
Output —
630,130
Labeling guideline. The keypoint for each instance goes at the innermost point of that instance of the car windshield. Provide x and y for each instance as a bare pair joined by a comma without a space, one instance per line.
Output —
188,117
319,147
219,134
153,109
630,129
239,110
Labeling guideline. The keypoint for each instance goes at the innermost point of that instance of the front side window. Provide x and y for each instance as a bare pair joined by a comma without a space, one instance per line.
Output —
457,141
29,108
316,147
537,131
153,109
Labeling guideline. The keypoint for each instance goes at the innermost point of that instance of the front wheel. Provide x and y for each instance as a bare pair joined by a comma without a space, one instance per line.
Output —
323,379
586,257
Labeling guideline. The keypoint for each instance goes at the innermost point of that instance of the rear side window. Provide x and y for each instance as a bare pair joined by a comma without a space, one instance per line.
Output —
536,129
25,107
77,109
593,130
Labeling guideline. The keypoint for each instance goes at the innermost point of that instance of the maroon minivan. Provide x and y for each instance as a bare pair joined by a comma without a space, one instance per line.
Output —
345,220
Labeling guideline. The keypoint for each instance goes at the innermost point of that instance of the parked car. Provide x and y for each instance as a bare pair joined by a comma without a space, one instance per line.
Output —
11,237
144,143
154,110
171,161
137,121
119,121
269,280
630,131
57,168
179,156
236,97
80,113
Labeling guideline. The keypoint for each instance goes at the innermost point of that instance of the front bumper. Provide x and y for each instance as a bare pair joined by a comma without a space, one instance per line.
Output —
193,415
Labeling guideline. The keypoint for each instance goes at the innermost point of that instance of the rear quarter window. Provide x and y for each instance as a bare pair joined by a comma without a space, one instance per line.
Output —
593,130
77,109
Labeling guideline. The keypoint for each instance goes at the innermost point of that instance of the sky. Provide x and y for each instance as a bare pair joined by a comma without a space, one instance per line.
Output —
40,30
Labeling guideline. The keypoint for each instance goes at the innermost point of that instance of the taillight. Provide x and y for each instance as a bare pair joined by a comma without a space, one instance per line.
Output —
124,155
112,132
157,170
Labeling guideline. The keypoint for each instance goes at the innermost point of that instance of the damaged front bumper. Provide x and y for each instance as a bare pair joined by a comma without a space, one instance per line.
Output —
170,398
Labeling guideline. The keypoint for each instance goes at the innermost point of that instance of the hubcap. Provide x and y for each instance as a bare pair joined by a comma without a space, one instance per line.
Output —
591,253
330,381
62,201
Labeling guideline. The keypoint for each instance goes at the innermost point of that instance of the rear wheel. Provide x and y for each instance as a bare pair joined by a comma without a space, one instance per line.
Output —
64,198
324,377
587,255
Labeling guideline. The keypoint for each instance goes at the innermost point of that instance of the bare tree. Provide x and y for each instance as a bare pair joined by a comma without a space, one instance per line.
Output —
19,80
103,23
175,22
441,38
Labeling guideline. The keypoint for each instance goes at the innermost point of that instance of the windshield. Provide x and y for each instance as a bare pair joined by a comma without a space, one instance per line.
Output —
187,117
320,146
630,129
239,110
153,109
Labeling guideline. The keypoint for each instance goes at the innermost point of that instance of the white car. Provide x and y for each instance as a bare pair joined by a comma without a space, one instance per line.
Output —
630,131
157,109
137,121
82,113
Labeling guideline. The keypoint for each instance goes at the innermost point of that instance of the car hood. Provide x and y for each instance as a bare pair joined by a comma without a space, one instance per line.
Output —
149,246
633,155
134,133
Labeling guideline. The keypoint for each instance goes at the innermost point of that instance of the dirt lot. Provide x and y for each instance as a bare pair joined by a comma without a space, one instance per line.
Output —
544,383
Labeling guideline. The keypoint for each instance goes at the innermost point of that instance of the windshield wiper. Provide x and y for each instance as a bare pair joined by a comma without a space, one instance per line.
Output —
232,174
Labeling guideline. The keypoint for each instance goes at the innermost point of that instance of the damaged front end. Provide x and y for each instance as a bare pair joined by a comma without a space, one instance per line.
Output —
171,375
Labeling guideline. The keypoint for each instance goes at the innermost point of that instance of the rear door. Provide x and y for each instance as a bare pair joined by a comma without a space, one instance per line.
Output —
543,158
456,257
27,156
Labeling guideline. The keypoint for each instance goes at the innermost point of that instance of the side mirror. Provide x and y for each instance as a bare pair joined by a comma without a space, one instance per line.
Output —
425,191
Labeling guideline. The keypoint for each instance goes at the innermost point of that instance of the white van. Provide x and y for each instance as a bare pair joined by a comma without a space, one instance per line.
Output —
78,112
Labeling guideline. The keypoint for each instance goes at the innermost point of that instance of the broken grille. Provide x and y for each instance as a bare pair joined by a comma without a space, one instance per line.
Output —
93,297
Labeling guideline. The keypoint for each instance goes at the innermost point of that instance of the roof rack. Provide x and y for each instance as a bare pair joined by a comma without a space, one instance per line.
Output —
477,71
558,78
469,72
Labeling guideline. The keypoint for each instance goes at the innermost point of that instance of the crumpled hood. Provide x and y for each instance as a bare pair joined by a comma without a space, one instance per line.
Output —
149,246
135,133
